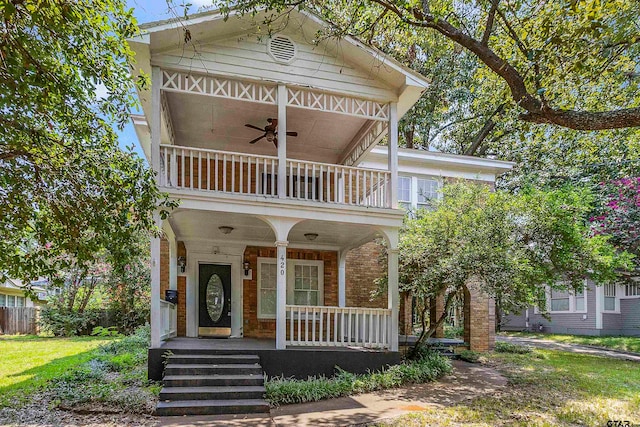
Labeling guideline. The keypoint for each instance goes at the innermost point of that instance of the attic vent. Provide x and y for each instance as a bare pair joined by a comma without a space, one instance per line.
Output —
282,49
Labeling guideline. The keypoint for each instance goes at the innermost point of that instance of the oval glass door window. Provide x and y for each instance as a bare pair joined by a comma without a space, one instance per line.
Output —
215,298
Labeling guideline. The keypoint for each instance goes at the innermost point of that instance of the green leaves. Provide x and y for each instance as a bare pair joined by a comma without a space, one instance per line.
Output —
67,191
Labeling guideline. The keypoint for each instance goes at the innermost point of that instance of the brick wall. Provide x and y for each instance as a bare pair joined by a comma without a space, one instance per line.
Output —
479,319
182,306
363,267
266,328
164,266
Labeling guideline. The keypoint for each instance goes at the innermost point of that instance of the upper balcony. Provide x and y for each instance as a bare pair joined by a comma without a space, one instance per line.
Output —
216,172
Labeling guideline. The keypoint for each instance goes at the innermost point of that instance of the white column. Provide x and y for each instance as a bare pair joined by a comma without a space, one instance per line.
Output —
156,120
342,278
599,290
282,140
393,296
173,264
281,295
393,153
156,320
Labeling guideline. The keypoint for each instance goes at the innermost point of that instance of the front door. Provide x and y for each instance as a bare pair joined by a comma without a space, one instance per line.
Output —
214,308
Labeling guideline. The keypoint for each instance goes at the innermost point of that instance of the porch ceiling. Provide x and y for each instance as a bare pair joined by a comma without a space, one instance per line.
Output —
219,124
202,226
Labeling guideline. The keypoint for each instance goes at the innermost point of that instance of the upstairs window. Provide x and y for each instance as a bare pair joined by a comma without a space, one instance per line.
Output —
427,191
632,290
404,192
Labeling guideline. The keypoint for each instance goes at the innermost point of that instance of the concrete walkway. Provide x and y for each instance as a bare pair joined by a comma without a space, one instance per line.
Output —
467,381
573,348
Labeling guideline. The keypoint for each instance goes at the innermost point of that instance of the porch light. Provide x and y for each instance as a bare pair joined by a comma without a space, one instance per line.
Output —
225,229
246,268
182,263
311,236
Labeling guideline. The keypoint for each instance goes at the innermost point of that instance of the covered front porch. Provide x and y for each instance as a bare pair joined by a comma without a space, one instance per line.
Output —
309,290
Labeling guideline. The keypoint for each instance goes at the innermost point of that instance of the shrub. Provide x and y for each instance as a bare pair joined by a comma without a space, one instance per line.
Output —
62,322
453,331
470,356
100,331
285,391
507,347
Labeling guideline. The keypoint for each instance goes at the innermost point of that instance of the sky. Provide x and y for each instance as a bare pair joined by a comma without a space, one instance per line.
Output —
147,11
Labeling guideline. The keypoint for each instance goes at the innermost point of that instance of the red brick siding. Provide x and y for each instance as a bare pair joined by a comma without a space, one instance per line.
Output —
363,267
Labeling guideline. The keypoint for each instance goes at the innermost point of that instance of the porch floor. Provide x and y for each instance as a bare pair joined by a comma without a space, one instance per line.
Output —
246,344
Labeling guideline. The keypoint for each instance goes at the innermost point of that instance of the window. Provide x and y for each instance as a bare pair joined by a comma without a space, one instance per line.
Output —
306,290
11,301
559,300
404,192
632,290
267,279
427,191
3,300
580,300
305,284
19,301
610,297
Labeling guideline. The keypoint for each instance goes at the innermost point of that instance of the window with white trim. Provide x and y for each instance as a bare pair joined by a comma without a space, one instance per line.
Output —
559,300
3,300
305,284
632,290
427,191
404,192
267,281
610,297
19,301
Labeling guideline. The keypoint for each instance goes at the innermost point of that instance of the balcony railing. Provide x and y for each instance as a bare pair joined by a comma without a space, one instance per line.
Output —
248,174
338,326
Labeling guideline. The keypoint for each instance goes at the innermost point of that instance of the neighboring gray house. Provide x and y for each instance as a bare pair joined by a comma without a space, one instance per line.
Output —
597,310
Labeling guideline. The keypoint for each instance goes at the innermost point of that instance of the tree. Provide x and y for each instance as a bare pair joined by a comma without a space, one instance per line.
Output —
67,191
568,63
511,246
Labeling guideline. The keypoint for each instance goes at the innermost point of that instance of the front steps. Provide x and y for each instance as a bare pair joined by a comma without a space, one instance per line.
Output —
205,384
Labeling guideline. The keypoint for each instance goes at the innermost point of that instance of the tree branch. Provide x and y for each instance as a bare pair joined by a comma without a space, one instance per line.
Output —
489,27
484,132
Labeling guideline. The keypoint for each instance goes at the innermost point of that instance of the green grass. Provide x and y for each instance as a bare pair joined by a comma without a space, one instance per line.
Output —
29,362
78,372
546,388
285,391
617,343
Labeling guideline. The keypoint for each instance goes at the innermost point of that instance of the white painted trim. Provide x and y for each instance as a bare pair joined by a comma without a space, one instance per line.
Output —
392,158
194,259
342,278
599,305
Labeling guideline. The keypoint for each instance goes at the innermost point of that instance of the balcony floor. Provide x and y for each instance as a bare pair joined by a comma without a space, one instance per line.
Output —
246,344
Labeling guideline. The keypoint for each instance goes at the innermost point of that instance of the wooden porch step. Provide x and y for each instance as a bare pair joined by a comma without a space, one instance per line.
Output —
214,359
212,380
212,392
212,407
209,369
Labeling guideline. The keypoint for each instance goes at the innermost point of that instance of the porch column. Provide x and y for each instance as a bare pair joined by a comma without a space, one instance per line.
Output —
281,295
342,277
156,319
282,141
393,296
393,154
156,121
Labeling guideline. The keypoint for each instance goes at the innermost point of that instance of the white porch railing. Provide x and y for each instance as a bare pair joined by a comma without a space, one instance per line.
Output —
248,174
168,320
338,326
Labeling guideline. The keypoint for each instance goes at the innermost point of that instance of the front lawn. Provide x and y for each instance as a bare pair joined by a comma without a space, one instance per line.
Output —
546,388
79,375
28,362
616,343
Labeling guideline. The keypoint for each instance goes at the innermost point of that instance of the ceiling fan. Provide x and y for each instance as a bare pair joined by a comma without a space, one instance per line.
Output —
270,132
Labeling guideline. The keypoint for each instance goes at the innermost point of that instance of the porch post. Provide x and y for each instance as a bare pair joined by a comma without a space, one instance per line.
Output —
282,141
393,296
156,319
342,277
281,295
156,121
393,154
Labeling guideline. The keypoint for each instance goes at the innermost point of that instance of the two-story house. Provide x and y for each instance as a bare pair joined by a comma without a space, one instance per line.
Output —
269,142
